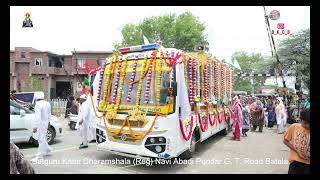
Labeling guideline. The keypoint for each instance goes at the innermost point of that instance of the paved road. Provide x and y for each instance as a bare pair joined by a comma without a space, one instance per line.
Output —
219,154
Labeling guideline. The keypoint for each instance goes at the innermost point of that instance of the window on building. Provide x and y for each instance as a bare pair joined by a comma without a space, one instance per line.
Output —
56,62
81,62
23,55
51,61
38,62
61,62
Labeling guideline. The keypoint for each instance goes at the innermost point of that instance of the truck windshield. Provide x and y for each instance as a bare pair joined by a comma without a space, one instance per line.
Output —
160,96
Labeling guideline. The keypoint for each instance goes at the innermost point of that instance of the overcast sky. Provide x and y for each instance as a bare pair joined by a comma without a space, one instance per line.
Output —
230,29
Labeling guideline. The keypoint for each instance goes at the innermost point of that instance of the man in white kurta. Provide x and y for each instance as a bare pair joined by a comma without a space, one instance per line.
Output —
84,117
40,127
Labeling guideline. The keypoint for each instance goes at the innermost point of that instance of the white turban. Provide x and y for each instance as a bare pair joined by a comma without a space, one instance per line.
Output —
39,95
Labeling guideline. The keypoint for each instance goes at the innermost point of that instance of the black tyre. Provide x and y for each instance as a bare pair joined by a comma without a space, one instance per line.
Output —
72,125
193,146
225,131
51,134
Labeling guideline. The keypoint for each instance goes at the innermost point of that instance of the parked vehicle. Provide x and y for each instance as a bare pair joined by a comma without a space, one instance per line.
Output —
27,99
72,118
21,124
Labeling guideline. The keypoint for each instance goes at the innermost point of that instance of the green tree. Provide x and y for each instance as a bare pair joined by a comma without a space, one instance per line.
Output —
182,32
251,63
294,54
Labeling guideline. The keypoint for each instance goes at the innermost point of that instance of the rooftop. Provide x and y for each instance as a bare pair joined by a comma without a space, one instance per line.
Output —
31,49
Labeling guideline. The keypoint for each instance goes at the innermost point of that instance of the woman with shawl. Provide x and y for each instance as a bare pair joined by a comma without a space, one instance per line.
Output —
237,118
257,114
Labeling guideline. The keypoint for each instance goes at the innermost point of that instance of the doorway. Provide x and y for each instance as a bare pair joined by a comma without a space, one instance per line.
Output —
63,89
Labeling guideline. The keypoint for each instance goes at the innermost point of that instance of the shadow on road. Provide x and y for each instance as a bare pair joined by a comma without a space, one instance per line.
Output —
209,143
27,145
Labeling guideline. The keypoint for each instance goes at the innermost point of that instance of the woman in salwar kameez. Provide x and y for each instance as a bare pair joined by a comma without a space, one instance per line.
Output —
237,118
271,114
246,118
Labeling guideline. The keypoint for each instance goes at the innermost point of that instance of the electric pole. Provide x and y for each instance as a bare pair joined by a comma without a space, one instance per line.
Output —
273,48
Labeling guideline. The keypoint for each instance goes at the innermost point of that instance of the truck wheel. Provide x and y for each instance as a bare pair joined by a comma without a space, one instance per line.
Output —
192,149
224,131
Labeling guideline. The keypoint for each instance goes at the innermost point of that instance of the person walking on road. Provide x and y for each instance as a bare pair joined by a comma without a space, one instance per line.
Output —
271,114
237,118
297,138
42,121
83,121
280,116
257,116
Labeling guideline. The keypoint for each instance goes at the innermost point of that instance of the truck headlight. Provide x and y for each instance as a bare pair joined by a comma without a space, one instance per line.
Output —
158,148
156,144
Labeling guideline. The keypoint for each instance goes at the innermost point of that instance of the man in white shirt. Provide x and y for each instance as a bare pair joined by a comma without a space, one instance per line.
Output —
42,121
84,120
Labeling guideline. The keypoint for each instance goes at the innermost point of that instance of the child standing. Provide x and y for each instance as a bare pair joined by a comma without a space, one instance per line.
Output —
297,138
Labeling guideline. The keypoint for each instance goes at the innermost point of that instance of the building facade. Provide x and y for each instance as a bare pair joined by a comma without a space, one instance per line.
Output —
58,76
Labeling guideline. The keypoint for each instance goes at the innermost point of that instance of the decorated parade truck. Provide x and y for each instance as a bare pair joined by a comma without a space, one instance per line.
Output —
160,102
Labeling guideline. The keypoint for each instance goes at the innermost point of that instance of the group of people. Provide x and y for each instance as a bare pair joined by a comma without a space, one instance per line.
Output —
251,113
43,116
42,121
86,121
